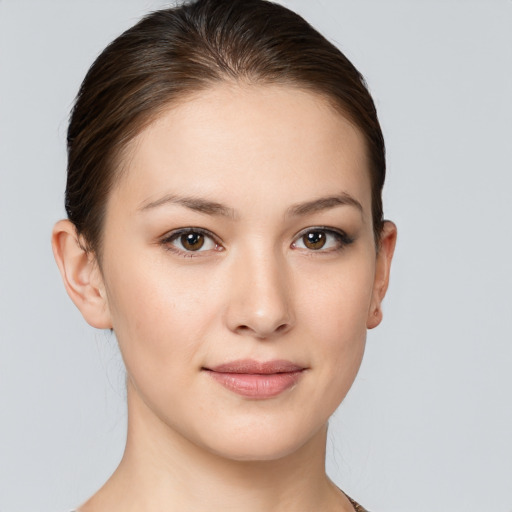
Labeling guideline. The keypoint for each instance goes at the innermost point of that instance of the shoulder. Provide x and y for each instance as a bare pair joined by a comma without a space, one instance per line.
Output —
357,507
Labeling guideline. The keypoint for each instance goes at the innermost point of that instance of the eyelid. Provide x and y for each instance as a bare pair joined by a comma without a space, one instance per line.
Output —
167,239
340,235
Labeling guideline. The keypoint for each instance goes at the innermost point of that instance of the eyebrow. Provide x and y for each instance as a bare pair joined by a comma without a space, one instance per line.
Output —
193,203
213,208
324,203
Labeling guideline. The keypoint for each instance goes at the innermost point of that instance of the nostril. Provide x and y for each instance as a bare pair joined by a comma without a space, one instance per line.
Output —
261,332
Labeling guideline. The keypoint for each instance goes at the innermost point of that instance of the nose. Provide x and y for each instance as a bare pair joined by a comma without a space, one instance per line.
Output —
260,297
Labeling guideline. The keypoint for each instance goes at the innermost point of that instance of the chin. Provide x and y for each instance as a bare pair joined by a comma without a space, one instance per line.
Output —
264,444
255,452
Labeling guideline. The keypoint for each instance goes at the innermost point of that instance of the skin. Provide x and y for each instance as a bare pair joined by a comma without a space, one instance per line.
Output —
265,155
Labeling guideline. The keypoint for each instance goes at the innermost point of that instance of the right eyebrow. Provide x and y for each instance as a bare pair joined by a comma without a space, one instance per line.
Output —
193,203
325,203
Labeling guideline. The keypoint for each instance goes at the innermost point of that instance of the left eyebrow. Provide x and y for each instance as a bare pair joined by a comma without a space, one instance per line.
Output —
324,203
193,203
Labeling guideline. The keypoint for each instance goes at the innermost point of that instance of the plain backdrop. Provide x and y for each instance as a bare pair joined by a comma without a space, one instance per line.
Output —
428,423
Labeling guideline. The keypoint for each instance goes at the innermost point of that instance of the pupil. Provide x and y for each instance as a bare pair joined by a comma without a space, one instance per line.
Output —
192,241
314,240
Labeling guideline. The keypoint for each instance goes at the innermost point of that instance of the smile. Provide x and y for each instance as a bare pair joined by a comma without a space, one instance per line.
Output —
258,380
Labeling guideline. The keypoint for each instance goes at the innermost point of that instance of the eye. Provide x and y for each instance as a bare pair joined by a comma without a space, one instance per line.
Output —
190,240
321,239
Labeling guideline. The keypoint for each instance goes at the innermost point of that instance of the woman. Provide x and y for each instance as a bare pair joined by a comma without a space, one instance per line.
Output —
225,220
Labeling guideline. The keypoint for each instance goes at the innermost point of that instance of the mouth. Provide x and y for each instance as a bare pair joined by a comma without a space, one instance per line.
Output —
257,380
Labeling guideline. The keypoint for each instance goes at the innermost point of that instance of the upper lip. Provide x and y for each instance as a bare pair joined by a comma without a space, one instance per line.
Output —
250,366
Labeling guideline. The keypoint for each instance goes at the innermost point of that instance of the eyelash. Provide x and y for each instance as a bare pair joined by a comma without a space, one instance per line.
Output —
168,240
341,239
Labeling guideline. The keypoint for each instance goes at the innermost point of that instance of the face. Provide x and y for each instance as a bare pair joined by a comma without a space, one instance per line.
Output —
239,268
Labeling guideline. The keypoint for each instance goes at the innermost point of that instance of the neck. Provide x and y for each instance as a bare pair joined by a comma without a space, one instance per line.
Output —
163,470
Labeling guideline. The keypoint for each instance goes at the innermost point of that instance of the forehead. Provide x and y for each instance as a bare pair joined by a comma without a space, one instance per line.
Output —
254,139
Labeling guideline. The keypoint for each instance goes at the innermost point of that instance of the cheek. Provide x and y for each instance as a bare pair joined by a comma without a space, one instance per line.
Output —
333,311
336,299
158,315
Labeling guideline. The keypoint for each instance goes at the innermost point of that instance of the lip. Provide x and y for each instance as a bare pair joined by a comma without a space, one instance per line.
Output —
256,379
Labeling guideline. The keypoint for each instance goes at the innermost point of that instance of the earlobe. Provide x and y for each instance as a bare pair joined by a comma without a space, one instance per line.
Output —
382,271
81,275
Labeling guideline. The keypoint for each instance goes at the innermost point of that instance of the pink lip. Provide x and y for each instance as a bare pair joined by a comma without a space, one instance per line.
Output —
255,379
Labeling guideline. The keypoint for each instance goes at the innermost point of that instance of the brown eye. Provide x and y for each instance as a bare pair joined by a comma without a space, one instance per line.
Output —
314,239
322,240
192,241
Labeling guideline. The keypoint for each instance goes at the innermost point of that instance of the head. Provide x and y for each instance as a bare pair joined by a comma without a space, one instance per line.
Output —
224,187
173,54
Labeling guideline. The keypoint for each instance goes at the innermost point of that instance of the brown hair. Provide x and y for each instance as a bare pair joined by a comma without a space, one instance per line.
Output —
174,52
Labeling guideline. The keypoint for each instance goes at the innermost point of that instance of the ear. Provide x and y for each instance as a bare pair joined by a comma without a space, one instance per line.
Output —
382,269
81,275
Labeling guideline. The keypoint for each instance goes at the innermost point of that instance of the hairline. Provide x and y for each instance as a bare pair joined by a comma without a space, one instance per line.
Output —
123,150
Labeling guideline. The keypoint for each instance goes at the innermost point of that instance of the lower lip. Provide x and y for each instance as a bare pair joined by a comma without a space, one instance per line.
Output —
257,385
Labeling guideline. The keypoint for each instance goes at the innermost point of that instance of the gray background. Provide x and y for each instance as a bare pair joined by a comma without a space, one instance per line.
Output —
428,424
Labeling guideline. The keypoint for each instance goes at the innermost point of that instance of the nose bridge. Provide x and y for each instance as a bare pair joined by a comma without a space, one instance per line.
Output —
260,303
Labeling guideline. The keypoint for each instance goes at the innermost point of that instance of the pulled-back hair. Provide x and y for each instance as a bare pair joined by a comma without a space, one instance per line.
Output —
179,51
